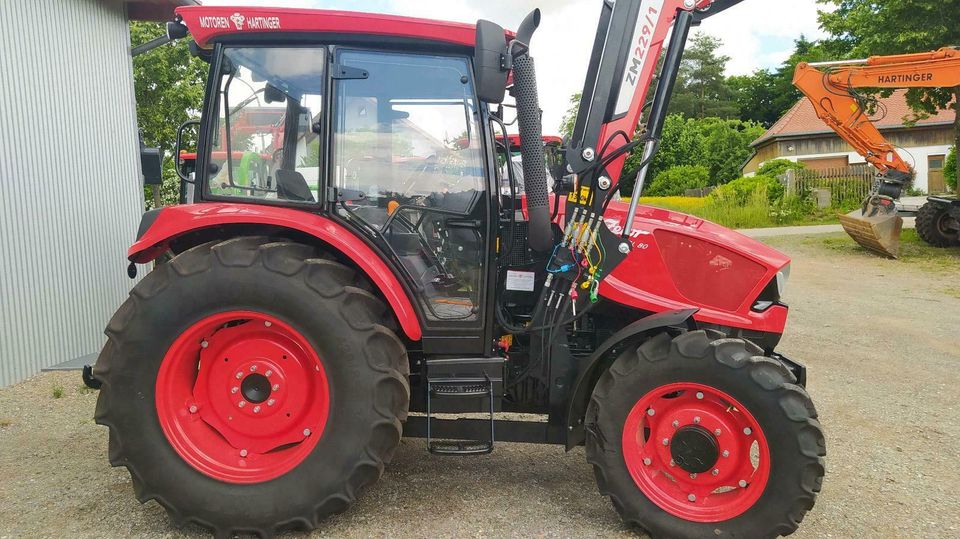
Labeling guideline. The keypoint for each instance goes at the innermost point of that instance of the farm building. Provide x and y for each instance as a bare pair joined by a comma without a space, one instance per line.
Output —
800,136
69,162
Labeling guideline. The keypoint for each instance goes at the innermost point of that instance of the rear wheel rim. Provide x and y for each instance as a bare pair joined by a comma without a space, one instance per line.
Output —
242,397
696,452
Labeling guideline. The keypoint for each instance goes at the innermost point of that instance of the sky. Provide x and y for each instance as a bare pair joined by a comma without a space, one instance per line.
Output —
755,34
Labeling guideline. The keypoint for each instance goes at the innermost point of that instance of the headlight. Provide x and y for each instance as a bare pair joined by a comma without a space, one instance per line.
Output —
782,276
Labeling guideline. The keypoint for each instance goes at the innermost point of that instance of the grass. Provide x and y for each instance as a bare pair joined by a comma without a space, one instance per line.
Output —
5,422
84,390
755,212
57,391
952,292
913,250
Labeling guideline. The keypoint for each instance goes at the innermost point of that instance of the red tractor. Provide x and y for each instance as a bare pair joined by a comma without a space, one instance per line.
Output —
372,278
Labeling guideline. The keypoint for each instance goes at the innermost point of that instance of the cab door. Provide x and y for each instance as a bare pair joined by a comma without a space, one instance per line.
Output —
409,169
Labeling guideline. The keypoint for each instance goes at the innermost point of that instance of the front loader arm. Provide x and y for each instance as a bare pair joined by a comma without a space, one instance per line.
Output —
832,91
630,39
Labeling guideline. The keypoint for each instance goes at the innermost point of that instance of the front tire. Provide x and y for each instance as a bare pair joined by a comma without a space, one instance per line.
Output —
252,386
702,436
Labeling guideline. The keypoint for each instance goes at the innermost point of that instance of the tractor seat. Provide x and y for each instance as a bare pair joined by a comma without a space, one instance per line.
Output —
291,185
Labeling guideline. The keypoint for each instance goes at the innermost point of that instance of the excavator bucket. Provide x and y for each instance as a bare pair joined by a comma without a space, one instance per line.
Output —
878,233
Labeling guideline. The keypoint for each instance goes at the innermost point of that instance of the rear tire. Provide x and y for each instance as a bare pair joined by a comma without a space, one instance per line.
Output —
317,300
676,394
939,225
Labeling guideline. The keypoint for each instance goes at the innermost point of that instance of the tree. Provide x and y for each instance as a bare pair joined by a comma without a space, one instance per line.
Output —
868,27
702,90
676,180
950,169
756,96
726,146
570,117
168,84
767,95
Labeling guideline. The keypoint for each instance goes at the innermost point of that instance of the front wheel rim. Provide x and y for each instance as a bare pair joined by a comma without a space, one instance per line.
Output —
696,452
242,397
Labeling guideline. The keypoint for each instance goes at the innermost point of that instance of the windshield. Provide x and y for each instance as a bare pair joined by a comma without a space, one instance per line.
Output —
267,144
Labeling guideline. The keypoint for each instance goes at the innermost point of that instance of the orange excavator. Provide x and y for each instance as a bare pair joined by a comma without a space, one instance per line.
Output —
832,87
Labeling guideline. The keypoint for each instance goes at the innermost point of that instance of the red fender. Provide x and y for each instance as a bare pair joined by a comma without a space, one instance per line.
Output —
177,220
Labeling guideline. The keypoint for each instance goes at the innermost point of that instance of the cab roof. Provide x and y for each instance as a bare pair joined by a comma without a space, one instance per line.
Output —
208,23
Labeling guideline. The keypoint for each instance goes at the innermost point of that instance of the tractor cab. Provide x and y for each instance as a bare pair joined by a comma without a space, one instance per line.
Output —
398,143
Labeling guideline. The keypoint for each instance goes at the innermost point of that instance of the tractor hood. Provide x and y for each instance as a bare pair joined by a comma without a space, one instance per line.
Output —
679,261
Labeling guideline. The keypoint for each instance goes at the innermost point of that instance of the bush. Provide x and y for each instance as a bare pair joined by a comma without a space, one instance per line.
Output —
778,167
676,180
950,169
741,190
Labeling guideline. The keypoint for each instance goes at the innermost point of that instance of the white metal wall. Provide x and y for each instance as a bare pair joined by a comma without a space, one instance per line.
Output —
70,195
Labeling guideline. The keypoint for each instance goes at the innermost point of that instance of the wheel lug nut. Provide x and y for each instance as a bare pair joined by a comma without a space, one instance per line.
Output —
268,373
717,432
270,402
234,390
748,431
243,453
666,441
651,411
696,420
204,344
675,423
715,472
693,476
242,404
276,387
306,432
672,463
267,323
647,461
193,408
239,375
253,368
742,483
692,497
699,395
256,409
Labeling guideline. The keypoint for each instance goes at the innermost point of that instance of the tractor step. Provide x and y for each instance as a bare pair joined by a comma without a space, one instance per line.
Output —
463,386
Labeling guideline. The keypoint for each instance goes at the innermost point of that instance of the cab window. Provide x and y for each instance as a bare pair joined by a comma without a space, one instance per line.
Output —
266,144
409,168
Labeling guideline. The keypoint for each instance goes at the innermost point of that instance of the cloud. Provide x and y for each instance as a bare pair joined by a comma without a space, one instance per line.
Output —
747,30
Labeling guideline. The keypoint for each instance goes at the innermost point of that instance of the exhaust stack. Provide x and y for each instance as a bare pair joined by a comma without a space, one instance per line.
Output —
531,135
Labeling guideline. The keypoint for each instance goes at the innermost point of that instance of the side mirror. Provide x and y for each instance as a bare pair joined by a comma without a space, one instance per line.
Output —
272,94
491,62
151,165
177,149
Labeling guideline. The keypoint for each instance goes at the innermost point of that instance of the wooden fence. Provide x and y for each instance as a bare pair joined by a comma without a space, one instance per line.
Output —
848,185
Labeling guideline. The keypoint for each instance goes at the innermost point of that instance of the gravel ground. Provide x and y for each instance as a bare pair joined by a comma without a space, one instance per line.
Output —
879,337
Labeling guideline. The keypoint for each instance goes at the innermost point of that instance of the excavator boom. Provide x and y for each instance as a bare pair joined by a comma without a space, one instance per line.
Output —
832,88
